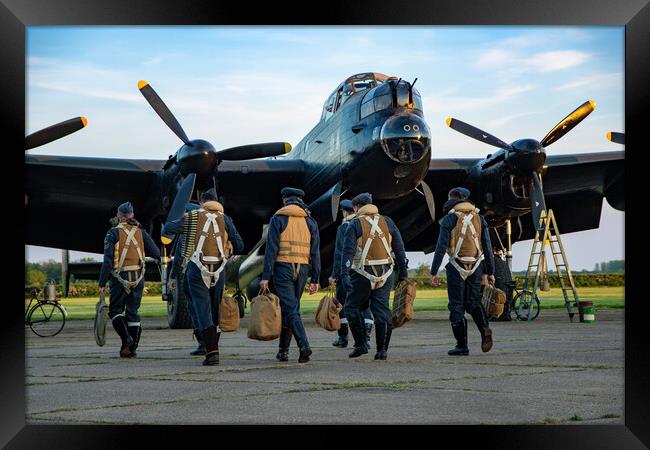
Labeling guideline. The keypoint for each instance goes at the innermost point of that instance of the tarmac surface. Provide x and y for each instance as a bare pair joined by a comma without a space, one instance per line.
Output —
549,371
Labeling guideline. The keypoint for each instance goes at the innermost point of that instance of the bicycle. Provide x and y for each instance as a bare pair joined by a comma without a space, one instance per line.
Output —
46,317
523,301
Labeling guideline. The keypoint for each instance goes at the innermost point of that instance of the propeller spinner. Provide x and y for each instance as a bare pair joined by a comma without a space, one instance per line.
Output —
528,155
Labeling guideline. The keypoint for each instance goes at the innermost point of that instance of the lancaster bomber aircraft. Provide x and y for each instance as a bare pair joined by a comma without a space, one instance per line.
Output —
372,136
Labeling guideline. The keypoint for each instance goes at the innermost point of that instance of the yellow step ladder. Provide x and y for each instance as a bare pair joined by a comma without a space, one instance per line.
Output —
547,234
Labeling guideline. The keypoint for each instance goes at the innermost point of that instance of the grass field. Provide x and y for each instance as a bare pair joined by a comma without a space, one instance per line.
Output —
426,300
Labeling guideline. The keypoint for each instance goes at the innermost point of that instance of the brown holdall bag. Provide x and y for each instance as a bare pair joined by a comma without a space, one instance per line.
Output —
327,312
229,311
494,301
403,303
265,322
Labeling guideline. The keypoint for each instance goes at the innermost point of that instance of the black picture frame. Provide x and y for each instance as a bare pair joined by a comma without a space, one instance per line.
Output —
15,15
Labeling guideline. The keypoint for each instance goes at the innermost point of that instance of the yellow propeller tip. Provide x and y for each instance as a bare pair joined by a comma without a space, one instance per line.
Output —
84,120
448,121
609,135
287,147
142,84
165,240
593,104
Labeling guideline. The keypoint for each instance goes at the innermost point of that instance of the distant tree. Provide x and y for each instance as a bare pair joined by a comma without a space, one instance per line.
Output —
34,277
52,269
423,270
86,259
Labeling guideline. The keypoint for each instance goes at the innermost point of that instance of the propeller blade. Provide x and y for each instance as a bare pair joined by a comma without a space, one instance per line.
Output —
254,151
54,132
476,133
178,207
618,138
428,196
537,203
568,122
162,110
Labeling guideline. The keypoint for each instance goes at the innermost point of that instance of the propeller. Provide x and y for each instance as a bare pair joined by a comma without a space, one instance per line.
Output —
54,132
528,155
197,159
618,138
242,152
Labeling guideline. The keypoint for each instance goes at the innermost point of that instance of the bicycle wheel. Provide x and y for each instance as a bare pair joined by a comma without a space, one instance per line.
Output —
523,302
46,319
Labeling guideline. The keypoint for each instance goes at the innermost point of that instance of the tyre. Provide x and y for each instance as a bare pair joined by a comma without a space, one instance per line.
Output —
46,319
178,313
523,302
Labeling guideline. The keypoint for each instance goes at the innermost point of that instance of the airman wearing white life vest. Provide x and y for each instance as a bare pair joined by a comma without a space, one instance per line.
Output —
465,238
209,238
372,250
125,247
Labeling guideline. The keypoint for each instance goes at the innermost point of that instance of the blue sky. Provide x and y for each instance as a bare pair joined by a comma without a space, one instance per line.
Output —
236,85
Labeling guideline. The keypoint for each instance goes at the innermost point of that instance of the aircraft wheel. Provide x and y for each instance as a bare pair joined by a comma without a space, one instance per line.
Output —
178,314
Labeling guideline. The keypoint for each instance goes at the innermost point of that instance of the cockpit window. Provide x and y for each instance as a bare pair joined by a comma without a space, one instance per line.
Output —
328,108
381,98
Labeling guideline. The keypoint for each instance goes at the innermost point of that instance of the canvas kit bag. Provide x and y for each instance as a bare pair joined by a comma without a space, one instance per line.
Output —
403,303
229,311
493,301
265,322
327,312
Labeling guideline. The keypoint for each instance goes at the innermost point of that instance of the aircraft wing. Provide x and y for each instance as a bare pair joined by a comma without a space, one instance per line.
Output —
575,186
69,200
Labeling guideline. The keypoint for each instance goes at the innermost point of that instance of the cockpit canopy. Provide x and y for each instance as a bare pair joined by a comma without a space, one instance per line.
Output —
352,85
381,97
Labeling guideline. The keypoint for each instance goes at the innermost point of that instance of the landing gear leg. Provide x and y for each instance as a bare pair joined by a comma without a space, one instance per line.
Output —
509,248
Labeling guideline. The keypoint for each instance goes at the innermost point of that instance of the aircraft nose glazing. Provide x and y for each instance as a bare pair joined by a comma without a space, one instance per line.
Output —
405,138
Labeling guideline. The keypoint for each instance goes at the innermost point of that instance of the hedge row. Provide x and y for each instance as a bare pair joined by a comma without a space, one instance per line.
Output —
581,280
90,289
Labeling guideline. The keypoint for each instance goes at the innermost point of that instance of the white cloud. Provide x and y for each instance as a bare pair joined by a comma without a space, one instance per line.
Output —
600,80
500,58
557,60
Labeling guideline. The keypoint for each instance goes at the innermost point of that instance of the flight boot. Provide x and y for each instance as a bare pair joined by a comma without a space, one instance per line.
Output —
285,340
135,331
200,349
460,333
359,333
342,340
211,339
301,339
381,338
120,325
481,320
368,328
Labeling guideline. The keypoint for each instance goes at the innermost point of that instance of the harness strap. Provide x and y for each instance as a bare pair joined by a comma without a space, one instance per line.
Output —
471,261
130,239
375,281
209,278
